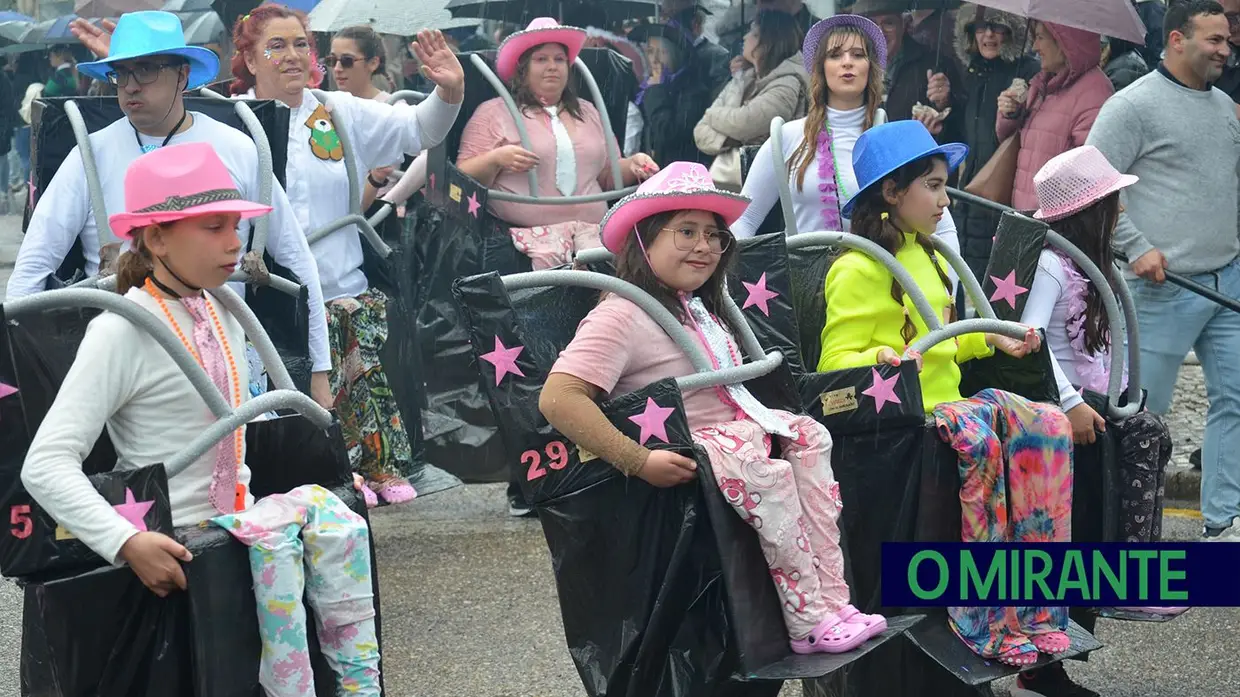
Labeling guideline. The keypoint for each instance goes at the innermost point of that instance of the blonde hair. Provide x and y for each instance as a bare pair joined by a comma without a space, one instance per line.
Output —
816,119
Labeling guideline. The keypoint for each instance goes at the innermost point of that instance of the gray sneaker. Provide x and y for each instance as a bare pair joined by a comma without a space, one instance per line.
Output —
1230,533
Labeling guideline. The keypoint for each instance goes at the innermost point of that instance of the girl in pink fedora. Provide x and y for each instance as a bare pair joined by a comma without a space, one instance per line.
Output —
182,211
568,145
671,240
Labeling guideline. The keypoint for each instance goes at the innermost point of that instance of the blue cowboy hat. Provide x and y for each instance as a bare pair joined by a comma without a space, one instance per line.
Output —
143,34
886,148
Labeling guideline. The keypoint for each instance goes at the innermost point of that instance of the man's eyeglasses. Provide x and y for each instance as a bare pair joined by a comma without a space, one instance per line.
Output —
144,73
686,239
346,61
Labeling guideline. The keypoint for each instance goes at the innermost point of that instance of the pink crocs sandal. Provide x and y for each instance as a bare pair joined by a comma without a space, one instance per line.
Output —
835,635
848,613
367,495
394,490
1019,656
1052,643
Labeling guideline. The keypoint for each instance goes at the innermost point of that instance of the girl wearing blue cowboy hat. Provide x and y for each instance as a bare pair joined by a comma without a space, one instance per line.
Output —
902,194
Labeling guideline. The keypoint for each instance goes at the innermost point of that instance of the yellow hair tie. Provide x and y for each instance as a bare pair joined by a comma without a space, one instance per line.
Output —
885,215
247,16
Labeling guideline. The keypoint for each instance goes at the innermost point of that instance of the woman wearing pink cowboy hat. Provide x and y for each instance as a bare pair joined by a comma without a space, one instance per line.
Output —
671,240
1078,195
181,216
569,145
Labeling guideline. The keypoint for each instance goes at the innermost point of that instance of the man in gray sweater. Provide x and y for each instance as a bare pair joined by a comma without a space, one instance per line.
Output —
1181,136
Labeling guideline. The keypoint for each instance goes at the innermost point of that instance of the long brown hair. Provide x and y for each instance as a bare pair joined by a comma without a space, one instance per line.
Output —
135,265
868,222
632,266
525,98
1092,231
779,38
816,119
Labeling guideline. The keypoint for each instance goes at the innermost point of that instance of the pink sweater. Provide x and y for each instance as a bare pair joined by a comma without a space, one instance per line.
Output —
491,127
1059,110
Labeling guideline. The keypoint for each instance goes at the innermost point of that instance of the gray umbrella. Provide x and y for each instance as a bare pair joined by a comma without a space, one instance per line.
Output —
202,27
398,17
14,32
187,5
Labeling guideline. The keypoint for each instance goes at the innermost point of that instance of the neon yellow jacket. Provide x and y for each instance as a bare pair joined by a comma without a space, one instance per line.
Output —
863,318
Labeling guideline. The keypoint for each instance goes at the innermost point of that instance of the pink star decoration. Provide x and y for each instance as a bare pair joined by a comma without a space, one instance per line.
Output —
759,296
504,360
134,511
1006,289
883,390
653,421
6,390
473,204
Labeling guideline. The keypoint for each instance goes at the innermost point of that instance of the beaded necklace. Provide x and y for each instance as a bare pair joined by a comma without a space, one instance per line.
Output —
234,374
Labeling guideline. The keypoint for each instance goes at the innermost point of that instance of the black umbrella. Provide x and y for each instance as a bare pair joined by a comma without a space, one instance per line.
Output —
522,11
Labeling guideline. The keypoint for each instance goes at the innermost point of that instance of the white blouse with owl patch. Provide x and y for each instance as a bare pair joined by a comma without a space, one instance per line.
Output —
318,186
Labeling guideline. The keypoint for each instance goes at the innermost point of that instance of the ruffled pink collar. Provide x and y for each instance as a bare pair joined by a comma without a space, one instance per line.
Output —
1093,370
828,182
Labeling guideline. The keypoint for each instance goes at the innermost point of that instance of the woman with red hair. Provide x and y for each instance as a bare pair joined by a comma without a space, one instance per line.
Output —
274,59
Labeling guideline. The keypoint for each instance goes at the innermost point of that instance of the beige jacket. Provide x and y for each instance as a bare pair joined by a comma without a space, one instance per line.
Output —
732,120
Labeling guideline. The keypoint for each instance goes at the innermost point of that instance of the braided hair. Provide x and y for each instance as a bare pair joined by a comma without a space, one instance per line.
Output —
871,219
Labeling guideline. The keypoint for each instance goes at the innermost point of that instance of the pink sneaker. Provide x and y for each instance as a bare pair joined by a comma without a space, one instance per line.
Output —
836,635
393,490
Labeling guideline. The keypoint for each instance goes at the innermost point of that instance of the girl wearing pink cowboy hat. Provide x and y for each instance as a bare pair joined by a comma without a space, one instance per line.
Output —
671,239
182,211
1078,195
569,146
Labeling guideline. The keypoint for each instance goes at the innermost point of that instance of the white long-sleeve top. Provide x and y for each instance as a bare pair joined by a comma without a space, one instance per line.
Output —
318,185
763,190
1047,308
64,214
125,381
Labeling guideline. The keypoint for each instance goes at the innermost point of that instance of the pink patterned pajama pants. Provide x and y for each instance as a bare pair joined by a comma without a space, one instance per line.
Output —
794,505
549,246
308,543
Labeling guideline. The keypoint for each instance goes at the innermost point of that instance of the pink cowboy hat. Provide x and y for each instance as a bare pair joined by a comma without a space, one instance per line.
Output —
681,186
1075,180
175,182
543,30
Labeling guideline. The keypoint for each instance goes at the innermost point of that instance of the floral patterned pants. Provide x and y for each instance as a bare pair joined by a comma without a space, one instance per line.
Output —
549,246
1015,486
370,419
794,505
307,542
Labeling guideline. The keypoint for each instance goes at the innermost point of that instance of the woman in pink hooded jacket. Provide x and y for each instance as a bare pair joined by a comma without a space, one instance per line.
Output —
1062,102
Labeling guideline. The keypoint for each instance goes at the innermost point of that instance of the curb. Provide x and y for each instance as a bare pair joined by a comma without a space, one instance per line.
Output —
1183,484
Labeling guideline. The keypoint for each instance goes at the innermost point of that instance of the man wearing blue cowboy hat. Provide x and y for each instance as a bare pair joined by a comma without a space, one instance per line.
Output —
151,66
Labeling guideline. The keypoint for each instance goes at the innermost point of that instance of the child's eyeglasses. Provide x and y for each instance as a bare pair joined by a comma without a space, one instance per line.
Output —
346,61
686,239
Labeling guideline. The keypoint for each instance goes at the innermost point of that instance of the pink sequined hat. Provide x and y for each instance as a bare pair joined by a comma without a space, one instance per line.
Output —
1075,180
176,182
681,186
543,30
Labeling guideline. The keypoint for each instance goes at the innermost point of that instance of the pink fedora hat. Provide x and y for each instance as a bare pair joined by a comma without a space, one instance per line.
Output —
1075,180
681,186
175,182
543,30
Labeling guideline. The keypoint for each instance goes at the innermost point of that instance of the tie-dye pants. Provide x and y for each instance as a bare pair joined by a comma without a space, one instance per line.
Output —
1015,486
794,505
308,543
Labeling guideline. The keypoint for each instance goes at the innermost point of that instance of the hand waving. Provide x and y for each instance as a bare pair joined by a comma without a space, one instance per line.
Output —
97,39
439,64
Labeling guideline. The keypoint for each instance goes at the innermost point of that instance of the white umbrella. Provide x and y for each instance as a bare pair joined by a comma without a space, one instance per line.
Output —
398,17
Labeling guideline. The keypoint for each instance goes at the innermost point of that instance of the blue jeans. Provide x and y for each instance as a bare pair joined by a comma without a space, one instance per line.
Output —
1173,320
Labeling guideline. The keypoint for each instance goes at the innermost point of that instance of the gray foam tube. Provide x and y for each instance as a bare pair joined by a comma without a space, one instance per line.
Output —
252,409
257,336
847,239
277,282
411,96
967,326
504,94
613,149
496,195
355,216
781,177
140,317
97,202
972,286
266,174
